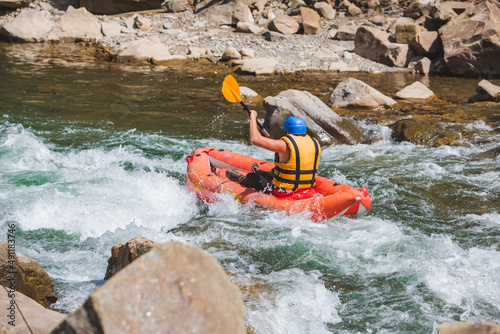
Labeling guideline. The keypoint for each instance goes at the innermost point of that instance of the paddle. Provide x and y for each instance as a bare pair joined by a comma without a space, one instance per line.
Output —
231,92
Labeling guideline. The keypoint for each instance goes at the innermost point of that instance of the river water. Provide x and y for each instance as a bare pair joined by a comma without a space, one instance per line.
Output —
93,153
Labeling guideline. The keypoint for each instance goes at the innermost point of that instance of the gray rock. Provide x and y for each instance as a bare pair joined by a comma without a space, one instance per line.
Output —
325,10
420,64
251,28
471,41
416,90
258,66
174,288
29,26
140,51
322,123
273,36
231,53
76,24
111,29
353,92
346,33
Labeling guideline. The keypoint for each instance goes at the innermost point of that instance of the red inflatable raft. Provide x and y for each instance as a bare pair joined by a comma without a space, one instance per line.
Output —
206,176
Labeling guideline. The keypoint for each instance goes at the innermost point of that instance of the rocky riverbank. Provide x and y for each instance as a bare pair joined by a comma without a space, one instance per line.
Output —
260,37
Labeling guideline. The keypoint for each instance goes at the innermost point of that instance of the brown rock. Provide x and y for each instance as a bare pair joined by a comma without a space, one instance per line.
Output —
27,276
310,21
406,32
423,132
471,41
175,288
469,328
122,255
284,24
426,43
373,44
354,92
40,320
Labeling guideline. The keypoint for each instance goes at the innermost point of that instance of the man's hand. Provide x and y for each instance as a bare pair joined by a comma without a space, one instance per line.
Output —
253,115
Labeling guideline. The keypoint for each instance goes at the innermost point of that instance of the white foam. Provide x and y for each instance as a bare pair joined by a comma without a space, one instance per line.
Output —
294,302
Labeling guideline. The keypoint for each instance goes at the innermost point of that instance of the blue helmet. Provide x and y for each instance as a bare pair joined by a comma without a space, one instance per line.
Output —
295,126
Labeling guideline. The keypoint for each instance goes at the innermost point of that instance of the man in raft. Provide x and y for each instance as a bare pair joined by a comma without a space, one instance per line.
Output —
296,160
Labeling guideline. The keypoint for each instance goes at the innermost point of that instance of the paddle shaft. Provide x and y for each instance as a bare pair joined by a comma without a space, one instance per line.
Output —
261,128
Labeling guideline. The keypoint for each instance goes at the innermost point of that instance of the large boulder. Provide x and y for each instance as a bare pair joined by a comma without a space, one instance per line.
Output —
40,320
322,123
21,274
123,254
356,93
29,26
284,24
310,21
374,44
174,288
76,24
109,7
471,41
224,13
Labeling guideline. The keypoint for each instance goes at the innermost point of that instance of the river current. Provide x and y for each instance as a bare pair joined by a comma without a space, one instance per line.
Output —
93,153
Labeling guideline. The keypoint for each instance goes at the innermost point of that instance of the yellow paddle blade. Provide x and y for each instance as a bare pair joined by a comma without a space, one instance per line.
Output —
230,89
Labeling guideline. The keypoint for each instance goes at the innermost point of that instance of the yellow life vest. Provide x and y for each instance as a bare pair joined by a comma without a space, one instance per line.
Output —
299,172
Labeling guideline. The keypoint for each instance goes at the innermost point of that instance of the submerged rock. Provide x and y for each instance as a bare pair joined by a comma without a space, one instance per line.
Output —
423,132
322,122
416,90
354,92
174,288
